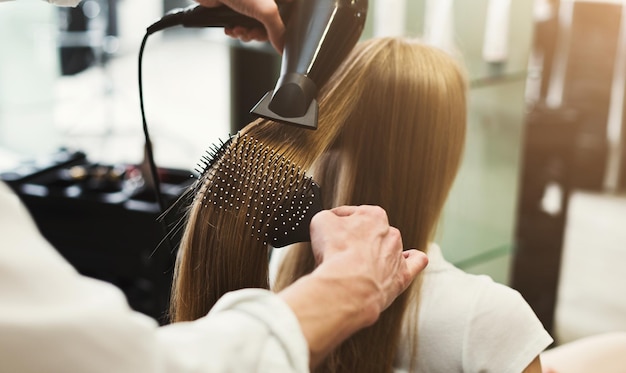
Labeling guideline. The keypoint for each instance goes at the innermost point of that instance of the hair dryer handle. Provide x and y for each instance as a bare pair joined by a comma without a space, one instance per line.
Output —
221,16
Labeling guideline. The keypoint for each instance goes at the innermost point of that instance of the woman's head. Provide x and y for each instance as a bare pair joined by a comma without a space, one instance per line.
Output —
395,118
400,132
390,132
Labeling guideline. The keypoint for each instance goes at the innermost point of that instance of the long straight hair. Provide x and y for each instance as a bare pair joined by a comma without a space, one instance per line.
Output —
400,148
390,133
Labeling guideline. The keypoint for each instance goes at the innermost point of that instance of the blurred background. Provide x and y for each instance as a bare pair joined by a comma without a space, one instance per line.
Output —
539,204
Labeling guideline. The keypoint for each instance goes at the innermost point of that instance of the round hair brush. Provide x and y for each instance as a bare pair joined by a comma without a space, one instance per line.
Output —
247,198
244,177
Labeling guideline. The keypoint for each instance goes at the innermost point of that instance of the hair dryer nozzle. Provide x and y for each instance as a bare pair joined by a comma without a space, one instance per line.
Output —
292,95
293,101
307,120
319,36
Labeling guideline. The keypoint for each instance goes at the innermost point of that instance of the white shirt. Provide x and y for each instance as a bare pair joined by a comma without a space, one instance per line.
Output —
52,319
466,323
64,2
71,3
469,323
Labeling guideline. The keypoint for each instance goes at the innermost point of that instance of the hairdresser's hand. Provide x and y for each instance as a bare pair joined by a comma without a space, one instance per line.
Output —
363,269
265,11
357,242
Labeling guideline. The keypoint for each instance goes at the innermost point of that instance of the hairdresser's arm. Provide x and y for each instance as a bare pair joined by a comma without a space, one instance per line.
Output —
266,11
64,2
363,270
71,3
52,319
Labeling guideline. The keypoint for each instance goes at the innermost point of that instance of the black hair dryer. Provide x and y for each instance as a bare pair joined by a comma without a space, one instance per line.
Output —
319,36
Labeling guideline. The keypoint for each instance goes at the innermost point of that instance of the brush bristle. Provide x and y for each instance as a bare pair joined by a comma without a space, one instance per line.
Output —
277,197
211,155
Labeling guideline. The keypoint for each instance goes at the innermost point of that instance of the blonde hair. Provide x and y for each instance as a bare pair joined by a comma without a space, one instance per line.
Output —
391,132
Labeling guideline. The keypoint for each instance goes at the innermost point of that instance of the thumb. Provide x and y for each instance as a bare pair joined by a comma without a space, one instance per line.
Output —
416,261
344,210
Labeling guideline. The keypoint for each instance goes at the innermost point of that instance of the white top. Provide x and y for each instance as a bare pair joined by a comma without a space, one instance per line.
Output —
64,2
52,319
466,323
469,323
71,3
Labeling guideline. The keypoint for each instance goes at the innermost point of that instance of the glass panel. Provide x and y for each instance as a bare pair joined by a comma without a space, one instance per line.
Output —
480,213
479,219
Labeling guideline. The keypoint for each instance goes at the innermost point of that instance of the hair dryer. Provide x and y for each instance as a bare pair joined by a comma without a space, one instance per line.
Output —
319,35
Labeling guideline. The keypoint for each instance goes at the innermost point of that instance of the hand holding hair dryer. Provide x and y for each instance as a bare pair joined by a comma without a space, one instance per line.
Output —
319,35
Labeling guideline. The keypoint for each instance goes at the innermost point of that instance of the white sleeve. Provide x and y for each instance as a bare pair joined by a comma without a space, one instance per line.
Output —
52,319
504,334
71,3
64,2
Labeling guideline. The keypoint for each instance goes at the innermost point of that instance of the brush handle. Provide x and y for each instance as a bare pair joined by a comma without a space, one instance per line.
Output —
284,231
